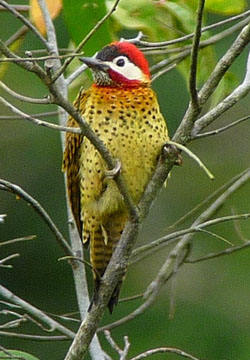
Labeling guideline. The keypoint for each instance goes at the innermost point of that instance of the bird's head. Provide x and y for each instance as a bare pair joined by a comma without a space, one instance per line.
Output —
120,64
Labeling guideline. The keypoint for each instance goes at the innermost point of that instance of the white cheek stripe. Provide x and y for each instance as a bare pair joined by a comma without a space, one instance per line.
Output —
129,71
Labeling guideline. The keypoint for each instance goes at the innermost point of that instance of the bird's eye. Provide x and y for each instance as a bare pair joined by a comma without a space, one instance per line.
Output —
120,62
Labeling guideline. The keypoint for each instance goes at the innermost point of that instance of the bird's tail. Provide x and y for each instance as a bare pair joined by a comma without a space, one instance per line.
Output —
102,245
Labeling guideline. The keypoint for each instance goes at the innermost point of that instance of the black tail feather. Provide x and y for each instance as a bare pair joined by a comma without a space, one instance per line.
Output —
113,300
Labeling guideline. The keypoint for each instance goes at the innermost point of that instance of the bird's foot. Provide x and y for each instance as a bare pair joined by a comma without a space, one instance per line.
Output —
170,151
115,171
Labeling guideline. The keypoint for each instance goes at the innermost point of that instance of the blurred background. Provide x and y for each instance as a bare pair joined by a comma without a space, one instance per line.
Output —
212,317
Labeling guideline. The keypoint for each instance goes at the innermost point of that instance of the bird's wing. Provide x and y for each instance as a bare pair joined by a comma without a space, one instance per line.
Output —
71,164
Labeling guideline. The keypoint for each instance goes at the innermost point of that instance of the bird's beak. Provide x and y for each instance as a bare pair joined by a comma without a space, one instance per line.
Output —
94,63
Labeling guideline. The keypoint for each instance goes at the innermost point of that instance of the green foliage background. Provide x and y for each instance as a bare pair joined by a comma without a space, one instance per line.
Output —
212,317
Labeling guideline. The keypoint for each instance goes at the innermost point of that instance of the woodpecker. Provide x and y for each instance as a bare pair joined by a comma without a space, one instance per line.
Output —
123,111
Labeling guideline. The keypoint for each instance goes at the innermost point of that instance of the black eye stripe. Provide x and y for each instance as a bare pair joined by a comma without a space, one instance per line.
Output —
109,53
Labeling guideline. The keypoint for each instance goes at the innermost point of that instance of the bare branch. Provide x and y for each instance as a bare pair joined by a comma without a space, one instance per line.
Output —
50,29
21,8
40,210
39,58
18,34
76,73
241,91
186,50
87,37
46,100
156,245
194,57
19,319
25,21
192,156
43,114
112,343
225,62
183,133
34,337
224,128
140,310
122,353
38,121
214,255
164,71
168,268
54,325
8,258
120,259
27,65
205,202
139,42
164,350
59,87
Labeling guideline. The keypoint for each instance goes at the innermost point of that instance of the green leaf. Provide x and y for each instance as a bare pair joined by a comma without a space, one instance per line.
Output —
227,7
13,47
185,16
138,15
80,17
16,355
223,7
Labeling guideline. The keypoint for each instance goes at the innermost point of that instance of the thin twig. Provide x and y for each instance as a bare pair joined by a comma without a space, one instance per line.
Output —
43,114
214,255
216,236
46,100
21,8
54,325
185,50
168,268
38,121
39,58
40,210
220,130
211,40
34,337
224,63
156,245
112,343
140,310
240,92
77,258
164,71
139,42
17,35
207,200
75,74
183,133
194,57
27,65
25,21
164,350
87,37
8,258
59,87
194,157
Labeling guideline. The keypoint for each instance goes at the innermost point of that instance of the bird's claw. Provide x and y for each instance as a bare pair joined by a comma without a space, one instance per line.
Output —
171,151
115,171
